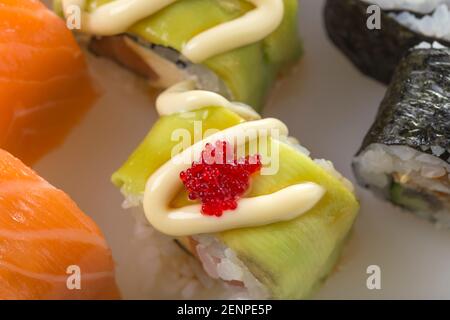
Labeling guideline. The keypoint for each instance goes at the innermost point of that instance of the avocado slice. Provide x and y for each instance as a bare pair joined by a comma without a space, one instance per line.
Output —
290,258
156,148
413,200
249,72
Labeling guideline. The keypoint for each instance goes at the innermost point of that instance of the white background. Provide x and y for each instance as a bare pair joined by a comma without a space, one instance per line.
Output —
328,105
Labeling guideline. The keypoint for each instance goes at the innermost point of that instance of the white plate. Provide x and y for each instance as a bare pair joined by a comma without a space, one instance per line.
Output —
329,106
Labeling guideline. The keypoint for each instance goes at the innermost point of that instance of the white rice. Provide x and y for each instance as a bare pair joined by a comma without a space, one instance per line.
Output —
169,272
378,162
434,45
419,6
222,263
435,23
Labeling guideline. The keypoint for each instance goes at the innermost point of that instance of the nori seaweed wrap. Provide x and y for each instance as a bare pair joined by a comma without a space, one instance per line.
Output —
375,52
405,157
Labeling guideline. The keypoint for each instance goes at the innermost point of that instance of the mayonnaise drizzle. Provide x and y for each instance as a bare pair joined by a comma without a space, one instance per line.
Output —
165,183
251,27
116,17
183,97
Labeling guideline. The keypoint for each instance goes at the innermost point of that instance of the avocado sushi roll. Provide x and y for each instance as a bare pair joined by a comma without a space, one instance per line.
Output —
405,157
403,24
233,47
263,219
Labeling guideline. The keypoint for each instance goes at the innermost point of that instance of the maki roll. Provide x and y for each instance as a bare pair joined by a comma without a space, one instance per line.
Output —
405,156
403,25
236,48
270,223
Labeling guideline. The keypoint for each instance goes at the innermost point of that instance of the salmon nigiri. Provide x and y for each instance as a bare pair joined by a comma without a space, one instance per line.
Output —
49,249
45,86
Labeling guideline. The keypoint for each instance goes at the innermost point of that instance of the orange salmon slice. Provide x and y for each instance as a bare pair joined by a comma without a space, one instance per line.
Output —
46,241
45,86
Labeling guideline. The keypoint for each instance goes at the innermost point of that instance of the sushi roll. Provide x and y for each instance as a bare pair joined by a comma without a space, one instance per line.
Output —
403,25
49,248
236,48
268,224
45,86
405,157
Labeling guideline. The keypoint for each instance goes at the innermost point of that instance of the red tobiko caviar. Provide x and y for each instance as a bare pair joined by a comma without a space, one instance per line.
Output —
218,179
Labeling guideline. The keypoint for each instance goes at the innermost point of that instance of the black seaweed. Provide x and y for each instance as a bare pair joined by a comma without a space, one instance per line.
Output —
375,52
416,109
